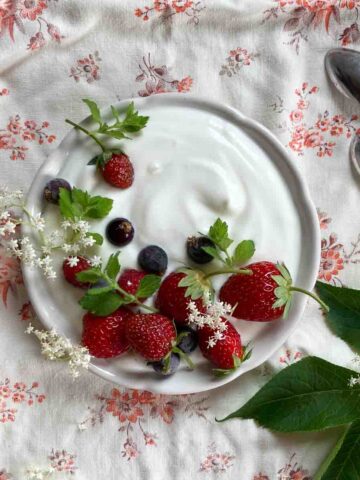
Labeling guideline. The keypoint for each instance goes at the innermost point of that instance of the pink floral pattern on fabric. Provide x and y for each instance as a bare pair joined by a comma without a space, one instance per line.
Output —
166,9
318,136
4,92
216,461
290,357
4,475
19,14
62,461
87,68
304,15
334,255
26,312
133,408
18,133
10,276
237,59
291,471
13,395
158,79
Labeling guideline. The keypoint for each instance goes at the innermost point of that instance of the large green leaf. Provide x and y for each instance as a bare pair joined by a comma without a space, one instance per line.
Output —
344,315
310,395
102,304
344,461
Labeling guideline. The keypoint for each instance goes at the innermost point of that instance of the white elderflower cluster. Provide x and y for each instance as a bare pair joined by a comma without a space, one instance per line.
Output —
9,198
81,239
354,381
40,473
57,347
213,317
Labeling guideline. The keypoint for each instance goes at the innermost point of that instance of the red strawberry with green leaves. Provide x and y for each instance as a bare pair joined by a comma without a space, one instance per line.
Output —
74,265
225,353
264,295
172,299
153,336
105,337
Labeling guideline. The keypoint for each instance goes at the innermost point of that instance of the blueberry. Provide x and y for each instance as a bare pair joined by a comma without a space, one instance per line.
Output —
159,366
120,232
100,284
52,189
189,342
194,248
153,259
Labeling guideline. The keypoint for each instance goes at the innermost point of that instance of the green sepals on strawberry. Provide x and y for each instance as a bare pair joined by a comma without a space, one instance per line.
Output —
283,292
238,361
108,297
195,282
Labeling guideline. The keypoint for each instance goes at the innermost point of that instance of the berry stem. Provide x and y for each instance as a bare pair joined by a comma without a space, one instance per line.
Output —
228,270
312,295
87,132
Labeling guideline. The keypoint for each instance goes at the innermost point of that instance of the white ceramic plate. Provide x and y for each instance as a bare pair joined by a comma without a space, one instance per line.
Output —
195,160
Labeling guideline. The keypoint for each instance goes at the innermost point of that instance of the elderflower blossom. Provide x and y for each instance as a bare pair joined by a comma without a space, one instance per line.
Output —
95,261
39,473
213,317
9,198
56,347
354,381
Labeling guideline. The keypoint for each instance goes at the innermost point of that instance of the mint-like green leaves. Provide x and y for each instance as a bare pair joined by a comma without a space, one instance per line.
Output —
310,395
344,315
102,304
148,286
78,204
113,266
219,234
131,123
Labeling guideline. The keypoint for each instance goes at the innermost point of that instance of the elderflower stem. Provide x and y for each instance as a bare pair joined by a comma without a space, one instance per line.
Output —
312,295
87,132
31,218
228,270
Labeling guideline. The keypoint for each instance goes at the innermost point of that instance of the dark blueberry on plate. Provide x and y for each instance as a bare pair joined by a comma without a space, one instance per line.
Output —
166,367
189,341
194,248
120,232
52,189
153,259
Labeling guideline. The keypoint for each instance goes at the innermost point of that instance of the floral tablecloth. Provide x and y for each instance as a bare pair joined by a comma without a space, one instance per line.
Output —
263,57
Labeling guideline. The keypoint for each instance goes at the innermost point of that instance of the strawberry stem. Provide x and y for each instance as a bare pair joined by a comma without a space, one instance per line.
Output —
312,295
223,271
88,133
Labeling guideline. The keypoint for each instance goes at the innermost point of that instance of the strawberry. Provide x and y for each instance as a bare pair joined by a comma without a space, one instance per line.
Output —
151,335
118,171
130,280
74,265
105,337
171,299
263,296
227,353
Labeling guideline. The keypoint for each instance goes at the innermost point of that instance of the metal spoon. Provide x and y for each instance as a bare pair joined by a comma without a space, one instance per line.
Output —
343,68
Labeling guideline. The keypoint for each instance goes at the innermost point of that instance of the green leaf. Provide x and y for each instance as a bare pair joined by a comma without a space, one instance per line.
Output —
243,252
101,159
344,461
113,266
92,275
309,395
100,290
116,134
97,237
81,197
98,207
102,304
94,110
344,315
218,233
213,252
114,112
65,204
148,286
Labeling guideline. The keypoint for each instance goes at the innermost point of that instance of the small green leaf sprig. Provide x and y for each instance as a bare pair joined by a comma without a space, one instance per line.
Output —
197,282
119,129
104,299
